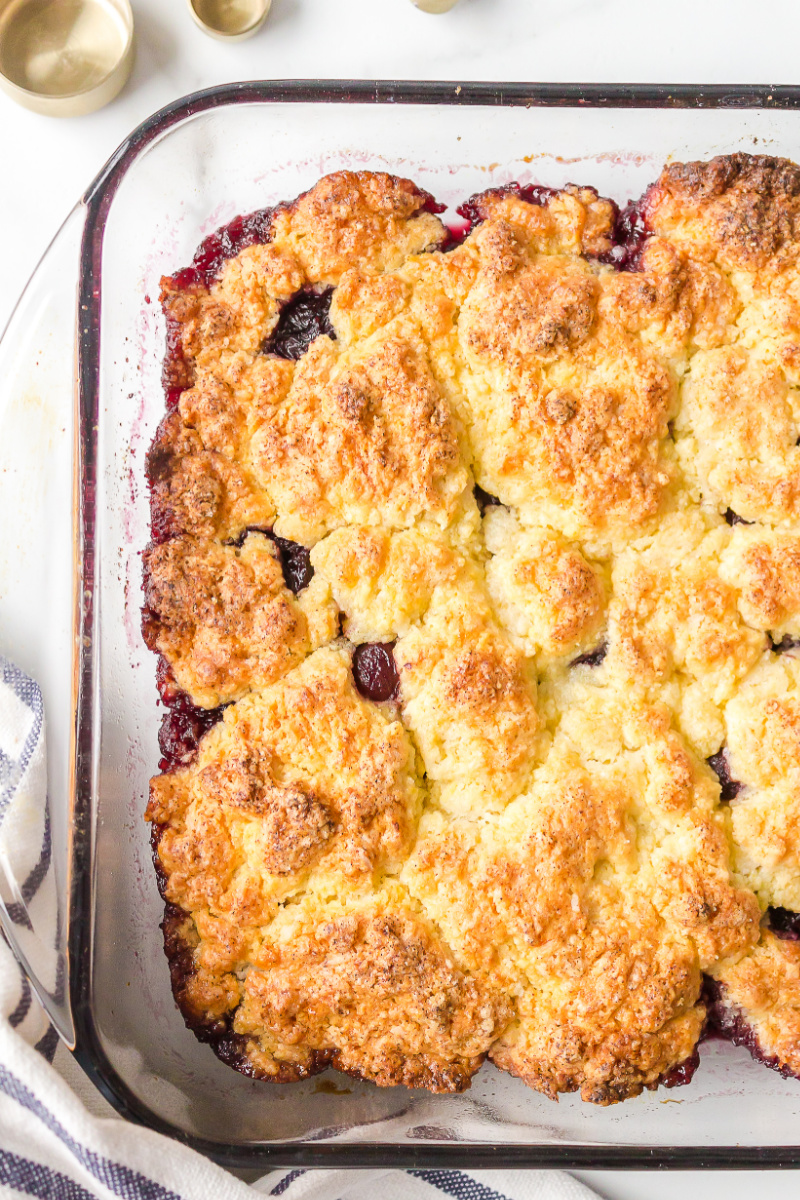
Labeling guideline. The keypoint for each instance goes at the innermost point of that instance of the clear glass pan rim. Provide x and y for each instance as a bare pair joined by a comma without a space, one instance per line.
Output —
97,201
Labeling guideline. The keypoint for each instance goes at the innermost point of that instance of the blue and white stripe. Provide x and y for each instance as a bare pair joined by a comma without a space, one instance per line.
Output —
422,1184
27,885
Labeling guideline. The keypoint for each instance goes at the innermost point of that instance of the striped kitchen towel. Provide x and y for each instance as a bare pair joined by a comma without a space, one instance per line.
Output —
424,1185
54,1144
27,881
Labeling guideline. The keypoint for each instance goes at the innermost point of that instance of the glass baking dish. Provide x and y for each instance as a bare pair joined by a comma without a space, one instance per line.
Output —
185,171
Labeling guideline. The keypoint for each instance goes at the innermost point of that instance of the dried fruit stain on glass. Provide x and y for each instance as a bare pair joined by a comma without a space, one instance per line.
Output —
475,582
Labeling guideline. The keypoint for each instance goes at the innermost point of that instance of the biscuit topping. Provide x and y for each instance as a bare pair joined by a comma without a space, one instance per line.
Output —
475,578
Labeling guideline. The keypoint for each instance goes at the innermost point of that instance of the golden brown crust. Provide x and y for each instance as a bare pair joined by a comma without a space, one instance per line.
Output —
356,217
568,413
469,698
765,565
360,439
222,616
760,997
341,774
383,581
675,623
597,898
574,220
521,853
378,988
739,434
198,492
677,304
744,208
522,310
763,752
545,591
210,1016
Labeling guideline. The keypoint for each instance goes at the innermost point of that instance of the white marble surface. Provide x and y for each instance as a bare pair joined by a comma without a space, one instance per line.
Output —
46,164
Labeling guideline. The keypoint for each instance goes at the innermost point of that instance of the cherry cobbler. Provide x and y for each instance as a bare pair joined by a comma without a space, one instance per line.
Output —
475,582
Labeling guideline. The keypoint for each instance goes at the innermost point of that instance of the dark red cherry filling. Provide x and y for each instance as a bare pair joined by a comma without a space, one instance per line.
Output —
295,559
457,233
166,682
474,210
253,229
161,522
733,1026
239,541
592,658
729,787
734,519
303,318
784,923
684,1072
484,499
296,562
182,727
176,373
785,644
429,203
183,723
630,236
226,242
375,672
